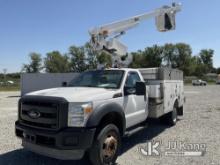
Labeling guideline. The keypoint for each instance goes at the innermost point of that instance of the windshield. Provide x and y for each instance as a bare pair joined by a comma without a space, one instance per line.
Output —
100,79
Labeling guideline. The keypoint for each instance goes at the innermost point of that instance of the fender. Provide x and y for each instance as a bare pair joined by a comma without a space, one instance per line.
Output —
103,110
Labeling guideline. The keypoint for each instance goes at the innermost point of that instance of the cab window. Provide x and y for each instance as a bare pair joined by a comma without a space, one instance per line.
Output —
131,80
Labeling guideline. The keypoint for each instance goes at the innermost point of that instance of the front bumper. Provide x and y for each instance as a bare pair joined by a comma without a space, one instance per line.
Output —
66,144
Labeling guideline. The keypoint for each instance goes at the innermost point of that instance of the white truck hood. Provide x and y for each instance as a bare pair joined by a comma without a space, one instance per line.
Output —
76,94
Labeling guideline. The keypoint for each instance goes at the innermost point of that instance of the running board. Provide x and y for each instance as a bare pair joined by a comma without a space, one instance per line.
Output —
136,129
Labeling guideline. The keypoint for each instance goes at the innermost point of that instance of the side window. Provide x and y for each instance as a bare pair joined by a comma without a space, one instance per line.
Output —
132,78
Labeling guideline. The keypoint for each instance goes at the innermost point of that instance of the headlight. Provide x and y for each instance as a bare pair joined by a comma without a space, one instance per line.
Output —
78,114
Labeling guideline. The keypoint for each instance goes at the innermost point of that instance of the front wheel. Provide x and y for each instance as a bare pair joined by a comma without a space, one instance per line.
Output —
106,146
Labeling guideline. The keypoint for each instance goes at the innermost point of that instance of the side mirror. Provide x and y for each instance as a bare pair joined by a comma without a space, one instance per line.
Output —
140,88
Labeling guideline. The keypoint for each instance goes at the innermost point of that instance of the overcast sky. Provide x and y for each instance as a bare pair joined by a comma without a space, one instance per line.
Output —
46,25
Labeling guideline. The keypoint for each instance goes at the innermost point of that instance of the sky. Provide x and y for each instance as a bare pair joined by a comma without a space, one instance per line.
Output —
45,25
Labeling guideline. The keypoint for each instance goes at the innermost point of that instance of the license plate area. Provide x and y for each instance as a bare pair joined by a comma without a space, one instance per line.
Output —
29,137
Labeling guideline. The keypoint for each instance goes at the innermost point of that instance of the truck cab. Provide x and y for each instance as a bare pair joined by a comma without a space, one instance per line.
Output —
94,111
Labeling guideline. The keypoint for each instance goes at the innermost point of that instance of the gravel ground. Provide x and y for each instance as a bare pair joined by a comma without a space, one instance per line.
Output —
200,125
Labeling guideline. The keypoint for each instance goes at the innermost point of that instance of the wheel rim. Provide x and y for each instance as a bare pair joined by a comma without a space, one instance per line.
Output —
109,147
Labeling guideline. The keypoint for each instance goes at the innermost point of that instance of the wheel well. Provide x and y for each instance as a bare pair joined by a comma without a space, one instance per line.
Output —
176,103
112,118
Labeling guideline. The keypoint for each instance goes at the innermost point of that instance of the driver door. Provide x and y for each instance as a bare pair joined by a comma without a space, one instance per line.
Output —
135,106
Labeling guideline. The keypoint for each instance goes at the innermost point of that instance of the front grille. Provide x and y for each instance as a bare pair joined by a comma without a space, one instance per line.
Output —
48,114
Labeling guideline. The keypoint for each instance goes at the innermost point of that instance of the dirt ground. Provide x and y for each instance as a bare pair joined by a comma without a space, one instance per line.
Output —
200,126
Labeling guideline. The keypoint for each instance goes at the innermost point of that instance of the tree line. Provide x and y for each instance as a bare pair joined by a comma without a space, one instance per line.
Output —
176,56
81,58
10,75
77,59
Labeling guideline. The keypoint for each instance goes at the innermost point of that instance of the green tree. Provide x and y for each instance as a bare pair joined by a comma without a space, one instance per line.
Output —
206,56
179,56
55,62
35,64
218,70
138,58
84,57
199,69
104,58
91,56
195,62
169,55
150,57
183,58
78,59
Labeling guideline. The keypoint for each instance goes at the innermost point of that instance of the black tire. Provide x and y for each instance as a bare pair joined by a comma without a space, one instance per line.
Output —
106,146
170,118
180,111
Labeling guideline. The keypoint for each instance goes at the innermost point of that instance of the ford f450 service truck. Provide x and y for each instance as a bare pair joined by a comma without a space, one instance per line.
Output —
99,107
96,110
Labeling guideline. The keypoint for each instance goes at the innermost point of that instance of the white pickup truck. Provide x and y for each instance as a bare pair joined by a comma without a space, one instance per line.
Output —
95,110
199,82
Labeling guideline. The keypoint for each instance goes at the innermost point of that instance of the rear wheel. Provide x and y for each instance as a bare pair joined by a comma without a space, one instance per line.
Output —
170,118
106,146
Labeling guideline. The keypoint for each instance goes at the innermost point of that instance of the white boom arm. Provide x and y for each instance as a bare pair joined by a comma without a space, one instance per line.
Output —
106,37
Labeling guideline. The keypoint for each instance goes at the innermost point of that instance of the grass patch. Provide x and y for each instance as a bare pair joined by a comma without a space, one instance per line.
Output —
4,86
9,88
